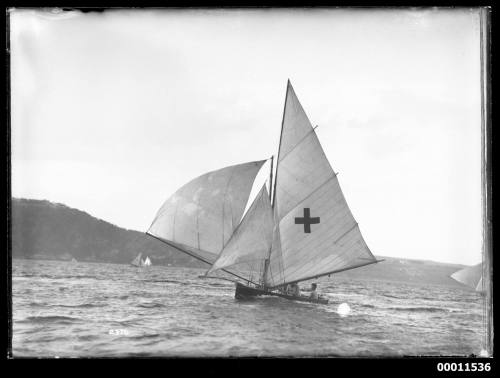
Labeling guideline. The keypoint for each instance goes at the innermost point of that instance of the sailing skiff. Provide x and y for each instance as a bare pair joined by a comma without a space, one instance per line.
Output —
137,262
303,231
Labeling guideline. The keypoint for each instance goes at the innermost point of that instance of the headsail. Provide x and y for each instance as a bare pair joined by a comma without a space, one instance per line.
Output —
316,233
200,217
250,244
470,276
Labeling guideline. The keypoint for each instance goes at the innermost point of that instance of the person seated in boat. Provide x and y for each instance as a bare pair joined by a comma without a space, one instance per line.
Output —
313,294
294,290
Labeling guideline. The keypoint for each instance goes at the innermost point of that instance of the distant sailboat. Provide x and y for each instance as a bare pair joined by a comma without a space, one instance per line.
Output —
137,261
471,276
306,232
147,262
73,260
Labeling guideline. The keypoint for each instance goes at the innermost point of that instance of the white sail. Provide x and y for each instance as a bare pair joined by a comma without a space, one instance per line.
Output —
250,244
147,262
137,261
200,217
470,276
316,233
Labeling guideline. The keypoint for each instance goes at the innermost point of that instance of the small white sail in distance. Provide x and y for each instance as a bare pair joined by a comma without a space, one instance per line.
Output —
470,276
251,241
147,262
137,261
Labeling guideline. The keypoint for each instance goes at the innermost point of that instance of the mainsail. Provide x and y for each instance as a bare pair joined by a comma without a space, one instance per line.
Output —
147,262
470,276
250,244
200,218
316,233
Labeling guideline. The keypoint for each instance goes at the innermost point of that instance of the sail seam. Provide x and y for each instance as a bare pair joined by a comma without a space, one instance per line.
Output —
296,145
309,195
335,258
332,262
224,209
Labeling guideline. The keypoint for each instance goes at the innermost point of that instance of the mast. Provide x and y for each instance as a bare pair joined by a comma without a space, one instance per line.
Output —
266,261
279,145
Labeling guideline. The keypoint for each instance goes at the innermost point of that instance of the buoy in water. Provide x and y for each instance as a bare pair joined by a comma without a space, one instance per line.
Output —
343,309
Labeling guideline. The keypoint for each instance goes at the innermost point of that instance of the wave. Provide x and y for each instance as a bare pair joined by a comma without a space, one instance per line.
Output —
150,305
144,336
392,296
168,281
50,319
63,277
83,305
368,306
419,309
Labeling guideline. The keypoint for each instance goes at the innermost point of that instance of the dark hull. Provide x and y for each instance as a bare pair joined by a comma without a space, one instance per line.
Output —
246,292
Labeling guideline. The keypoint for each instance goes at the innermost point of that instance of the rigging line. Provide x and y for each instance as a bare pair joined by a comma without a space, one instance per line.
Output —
327,273
217,278
271,180
194,255
299,202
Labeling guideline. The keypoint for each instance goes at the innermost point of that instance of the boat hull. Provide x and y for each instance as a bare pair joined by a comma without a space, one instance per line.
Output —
243,292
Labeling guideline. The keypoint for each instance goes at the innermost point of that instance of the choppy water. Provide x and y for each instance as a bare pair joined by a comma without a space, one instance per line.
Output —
90,309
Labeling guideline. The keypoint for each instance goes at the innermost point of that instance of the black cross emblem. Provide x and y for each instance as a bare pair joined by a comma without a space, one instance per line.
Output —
307,220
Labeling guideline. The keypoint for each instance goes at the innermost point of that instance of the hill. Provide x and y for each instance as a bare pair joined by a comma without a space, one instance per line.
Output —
407,271
47,230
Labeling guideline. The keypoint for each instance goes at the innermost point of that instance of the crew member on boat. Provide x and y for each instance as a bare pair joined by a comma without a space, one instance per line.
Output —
313,294
293,289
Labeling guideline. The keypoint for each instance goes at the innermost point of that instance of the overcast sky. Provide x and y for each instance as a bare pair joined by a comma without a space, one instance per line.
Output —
112,112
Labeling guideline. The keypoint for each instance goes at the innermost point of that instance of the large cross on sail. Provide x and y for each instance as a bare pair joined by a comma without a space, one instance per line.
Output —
307,220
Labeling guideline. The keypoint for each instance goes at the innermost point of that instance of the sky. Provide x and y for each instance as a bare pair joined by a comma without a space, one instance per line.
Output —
112,112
